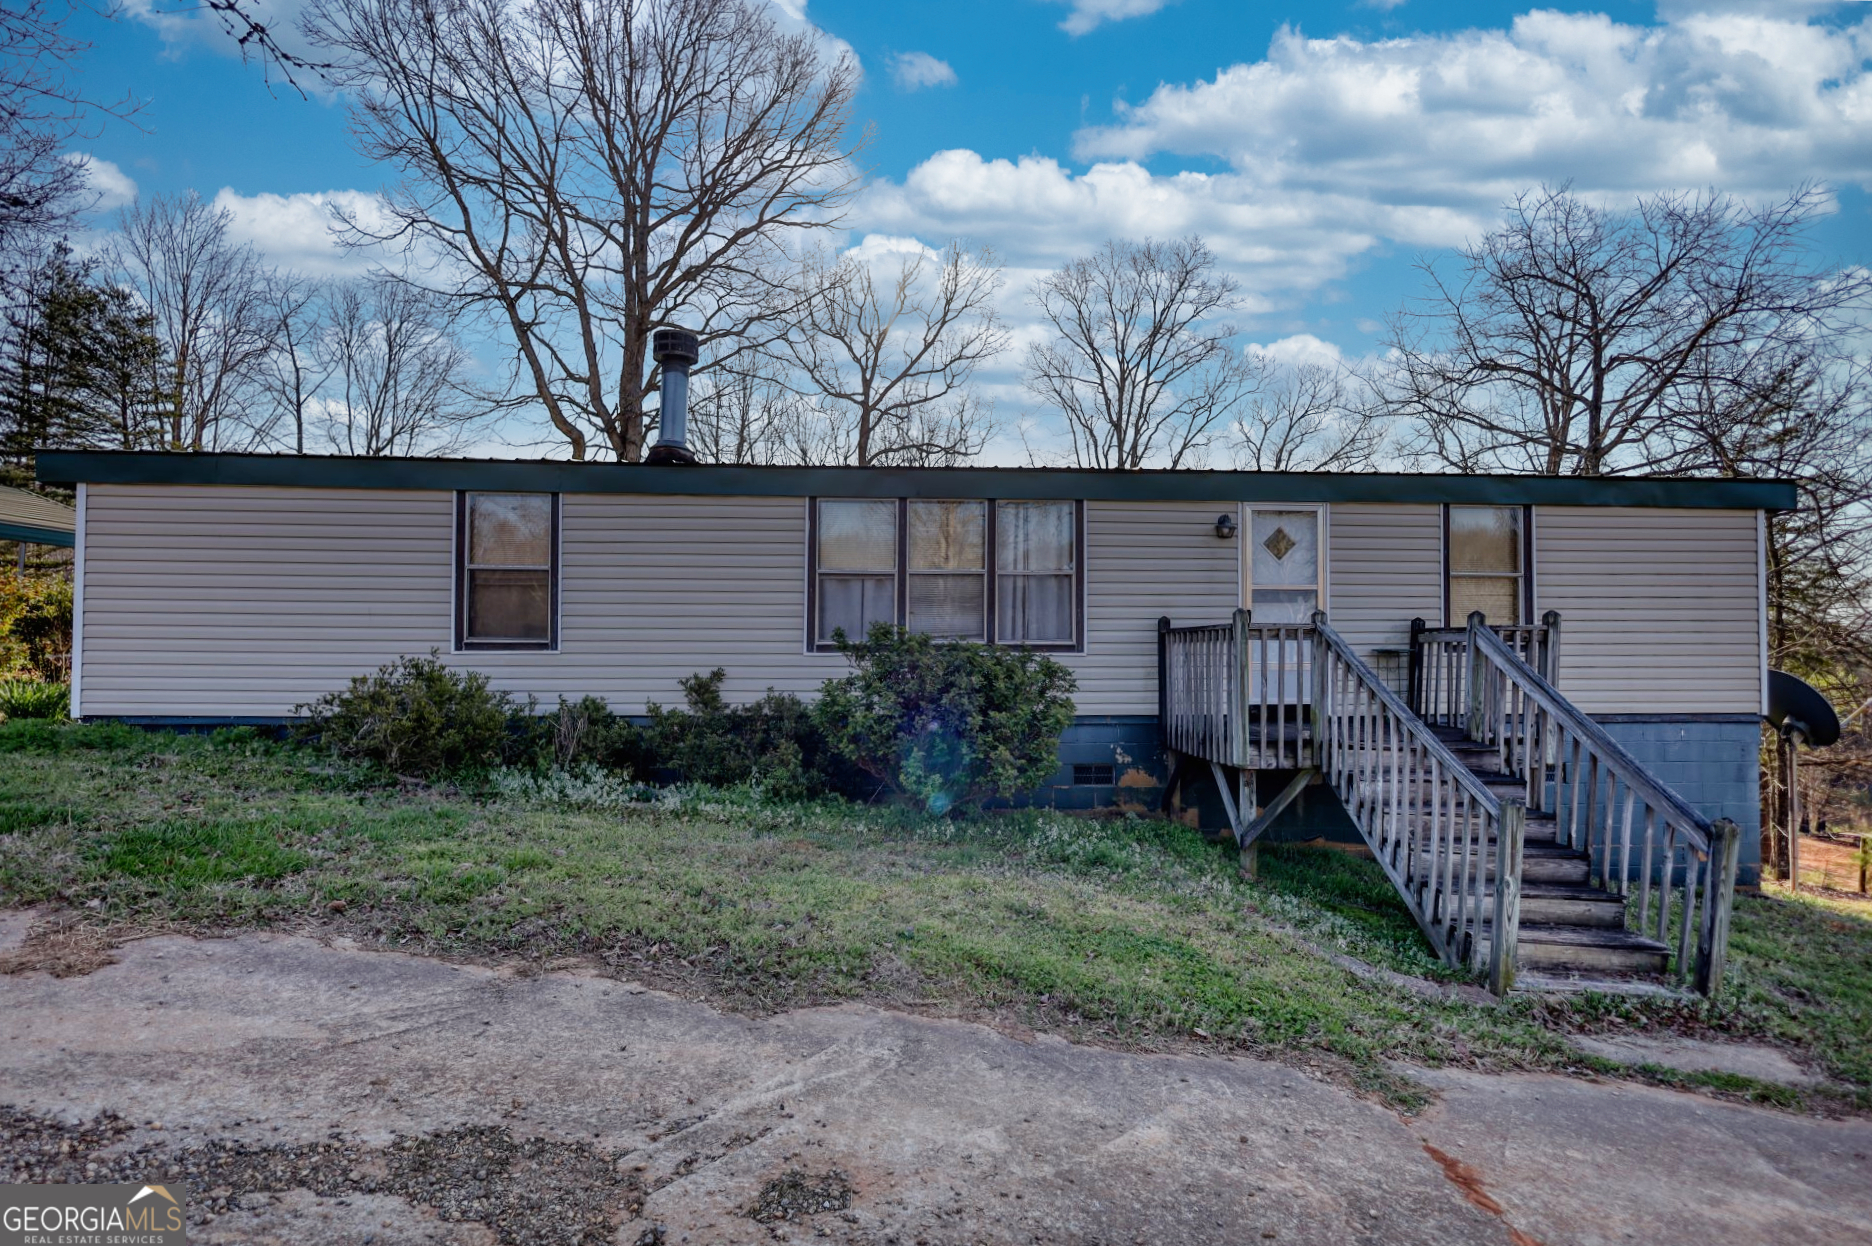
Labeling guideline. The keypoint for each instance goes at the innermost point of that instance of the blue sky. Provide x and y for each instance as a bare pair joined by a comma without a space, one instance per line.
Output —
1321,149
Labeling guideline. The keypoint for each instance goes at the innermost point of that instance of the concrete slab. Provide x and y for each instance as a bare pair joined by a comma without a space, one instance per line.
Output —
1689,1055
250,1047
1593,1164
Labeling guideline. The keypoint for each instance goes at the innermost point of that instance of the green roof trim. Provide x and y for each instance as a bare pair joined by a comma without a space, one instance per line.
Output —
311,472
36,536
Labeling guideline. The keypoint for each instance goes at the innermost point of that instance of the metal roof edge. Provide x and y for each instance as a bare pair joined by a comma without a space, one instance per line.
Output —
36,536
559,476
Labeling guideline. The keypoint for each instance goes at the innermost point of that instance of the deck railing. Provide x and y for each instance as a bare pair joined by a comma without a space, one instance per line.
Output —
1452,850
1439,663
1636,832
1238,693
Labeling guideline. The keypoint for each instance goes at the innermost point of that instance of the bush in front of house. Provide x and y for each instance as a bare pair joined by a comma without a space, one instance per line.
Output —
947,724
774,742
36,626
33,698
413,716
577,735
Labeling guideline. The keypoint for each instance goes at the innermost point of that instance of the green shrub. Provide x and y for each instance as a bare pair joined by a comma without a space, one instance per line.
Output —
34,698
947,724
413,716
773,742
578,734
35,625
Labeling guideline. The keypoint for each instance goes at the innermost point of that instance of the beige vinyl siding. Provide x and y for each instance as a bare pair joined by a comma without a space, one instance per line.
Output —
1145,560
212,601
1660,609
1384,568
222,601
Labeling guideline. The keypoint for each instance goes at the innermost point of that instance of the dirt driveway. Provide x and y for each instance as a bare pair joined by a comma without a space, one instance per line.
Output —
307,1093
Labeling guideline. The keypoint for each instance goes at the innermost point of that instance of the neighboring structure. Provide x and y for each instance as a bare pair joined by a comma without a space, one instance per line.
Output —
29,519
227,588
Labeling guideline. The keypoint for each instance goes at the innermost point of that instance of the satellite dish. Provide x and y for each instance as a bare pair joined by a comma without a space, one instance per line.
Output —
1794,704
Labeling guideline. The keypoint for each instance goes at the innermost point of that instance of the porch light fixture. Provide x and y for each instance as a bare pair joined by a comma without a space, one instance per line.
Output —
1225,527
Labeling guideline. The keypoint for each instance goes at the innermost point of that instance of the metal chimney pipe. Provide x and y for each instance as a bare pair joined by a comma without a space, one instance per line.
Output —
675,351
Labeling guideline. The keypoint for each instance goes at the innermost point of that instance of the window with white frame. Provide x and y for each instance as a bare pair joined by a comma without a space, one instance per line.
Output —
961,569
1485,563
507,571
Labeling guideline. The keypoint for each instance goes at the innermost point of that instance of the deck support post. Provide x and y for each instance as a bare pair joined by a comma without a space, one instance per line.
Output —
1249,840
1414,677
1718,904
1550,648
1474,676
1507,915
1242,675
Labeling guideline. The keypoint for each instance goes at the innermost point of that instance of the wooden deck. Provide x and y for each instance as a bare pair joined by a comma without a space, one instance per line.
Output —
1491,802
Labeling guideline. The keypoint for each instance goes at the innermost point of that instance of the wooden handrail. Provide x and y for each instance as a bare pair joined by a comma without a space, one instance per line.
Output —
1635,831
1336,645
1236,693
1629,769
1428,820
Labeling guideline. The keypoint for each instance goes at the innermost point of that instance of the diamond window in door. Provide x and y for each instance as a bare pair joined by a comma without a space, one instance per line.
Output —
1284,565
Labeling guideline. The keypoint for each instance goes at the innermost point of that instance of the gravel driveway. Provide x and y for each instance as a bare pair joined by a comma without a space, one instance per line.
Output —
313,1093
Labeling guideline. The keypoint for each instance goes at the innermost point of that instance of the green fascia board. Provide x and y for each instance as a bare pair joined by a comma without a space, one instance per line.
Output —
36,536
318,472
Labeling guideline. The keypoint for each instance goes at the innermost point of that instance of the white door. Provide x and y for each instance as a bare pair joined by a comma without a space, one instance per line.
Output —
1281,586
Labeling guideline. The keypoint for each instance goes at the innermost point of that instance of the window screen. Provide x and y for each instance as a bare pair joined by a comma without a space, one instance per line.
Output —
1036,553
508,561
1486,562
948,588
857,567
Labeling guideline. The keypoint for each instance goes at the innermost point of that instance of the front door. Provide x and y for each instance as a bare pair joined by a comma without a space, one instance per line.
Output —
1281,587
1281,580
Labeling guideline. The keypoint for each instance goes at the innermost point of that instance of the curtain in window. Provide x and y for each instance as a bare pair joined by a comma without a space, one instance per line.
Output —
509,568
948,588
857,560
1485,563
1035,557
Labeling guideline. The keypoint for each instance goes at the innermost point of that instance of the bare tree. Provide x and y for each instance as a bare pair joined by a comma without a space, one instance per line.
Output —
1576,335
294,372
892,359
40,113
397,371
1303,420
750,412
594,170
209,299
1138,365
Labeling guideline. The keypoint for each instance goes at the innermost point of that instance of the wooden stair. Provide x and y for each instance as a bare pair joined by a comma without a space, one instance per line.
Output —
1568,926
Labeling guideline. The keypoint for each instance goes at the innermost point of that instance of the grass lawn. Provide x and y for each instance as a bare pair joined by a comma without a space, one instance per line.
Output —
1117,930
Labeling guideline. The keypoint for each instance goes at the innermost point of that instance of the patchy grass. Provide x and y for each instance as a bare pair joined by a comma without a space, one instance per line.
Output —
1801,973
1120,930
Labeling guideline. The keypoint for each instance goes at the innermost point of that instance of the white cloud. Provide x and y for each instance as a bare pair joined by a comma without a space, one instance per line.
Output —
297,231
913,71
875,247
185,25
110,186
1089,15
1038,214
1331,149
1746,103
1298,349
